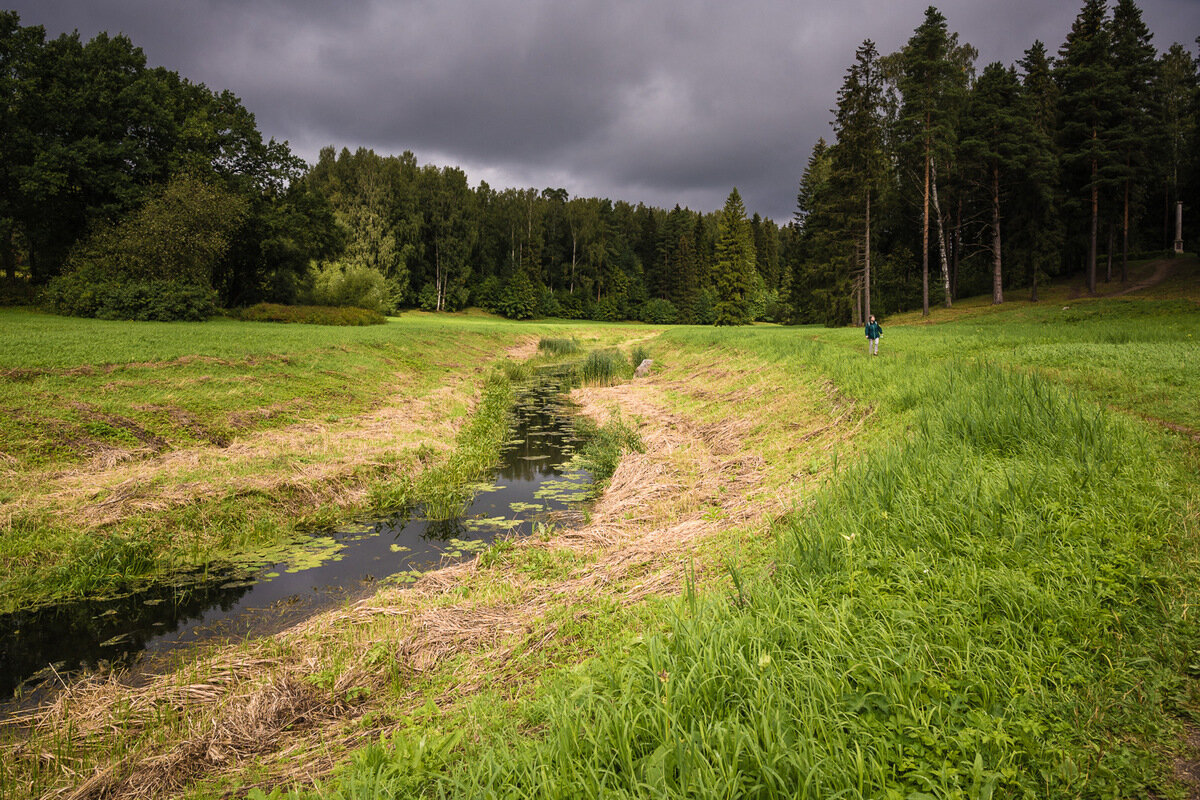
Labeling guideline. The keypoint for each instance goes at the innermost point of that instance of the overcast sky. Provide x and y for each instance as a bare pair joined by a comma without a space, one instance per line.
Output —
656,101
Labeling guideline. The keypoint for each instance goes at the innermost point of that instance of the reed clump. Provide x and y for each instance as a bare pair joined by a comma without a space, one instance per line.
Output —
558,346
603,368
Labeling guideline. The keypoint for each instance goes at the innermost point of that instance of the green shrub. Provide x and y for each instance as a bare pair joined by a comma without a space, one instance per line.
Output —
16,292
346,283
84,293
659,312
311,315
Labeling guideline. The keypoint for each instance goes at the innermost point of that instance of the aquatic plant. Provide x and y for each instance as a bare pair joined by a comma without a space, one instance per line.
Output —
558,347
603,368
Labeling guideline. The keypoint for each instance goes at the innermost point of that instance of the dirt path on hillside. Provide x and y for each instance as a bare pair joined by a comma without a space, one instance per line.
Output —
1163,269
469,627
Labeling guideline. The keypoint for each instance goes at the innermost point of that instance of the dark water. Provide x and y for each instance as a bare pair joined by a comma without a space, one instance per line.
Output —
530,486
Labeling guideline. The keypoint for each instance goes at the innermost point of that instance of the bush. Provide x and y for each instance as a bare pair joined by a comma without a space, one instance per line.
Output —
519,298
344,283
17,292
155,264
312,315
83,293
659,312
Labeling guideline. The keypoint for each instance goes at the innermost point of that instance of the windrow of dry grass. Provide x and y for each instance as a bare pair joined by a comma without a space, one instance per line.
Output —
715,472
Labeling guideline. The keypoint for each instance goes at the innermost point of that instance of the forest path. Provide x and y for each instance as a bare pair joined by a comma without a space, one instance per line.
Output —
1163,268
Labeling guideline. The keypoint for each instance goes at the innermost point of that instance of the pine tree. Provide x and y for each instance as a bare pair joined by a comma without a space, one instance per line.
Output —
1036,219
1175,88
810,254
993,136
858,163
734,267
934,71
1133,60
1086,80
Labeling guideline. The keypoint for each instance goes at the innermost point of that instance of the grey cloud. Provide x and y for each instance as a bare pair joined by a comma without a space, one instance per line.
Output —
658,102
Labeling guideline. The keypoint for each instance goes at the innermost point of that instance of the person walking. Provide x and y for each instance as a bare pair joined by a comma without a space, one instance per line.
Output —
873,334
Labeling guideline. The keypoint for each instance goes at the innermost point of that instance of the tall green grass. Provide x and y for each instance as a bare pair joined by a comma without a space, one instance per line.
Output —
983,605
603,368
558,346
445,490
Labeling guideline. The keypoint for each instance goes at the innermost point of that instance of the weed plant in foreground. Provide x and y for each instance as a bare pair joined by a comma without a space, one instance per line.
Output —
987,606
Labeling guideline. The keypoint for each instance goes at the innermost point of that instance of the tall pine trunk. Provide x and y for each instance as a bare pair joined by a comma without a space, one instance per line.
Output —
7,260
1125,232
1112,234
941,231
574,239
867,259
1094,229
925,234
997,283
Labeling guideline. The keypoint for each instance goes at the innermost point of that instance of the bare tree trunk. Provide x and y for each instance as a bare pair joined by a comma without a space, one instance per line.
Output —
1108,268
1125,234
439,279
867,258
956,249
7,260
937,213
1095,224
925,235
574,239
997,282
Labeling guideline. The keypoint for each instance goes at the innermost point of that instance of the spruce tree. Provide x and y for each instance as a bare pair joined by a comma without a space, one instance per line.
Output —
1133,61
934,70
993,137
1035,210
734,269
1175,90
1088,97
813,224
859,163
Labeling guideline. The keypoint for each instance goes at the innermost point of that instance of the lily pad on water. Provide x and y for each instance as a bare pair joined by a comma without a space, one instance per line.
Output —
520,508
237,584
399,548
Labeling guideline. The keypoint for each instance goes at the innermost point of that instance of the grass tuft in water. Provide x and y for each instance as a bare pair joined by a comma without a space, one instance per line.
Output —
558,347
604,368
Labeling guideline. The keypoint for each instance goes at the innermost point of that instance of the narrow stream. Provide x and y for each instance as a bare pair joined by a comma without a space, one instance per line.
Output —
532,484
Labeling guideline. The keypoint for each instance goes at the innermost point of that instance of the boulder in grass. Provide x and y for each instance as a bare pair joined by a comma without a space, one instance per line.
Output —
643,369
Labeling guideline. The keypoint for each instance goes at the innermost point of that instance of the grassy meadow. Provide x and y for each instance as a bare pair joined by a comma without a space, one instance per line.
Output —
962,569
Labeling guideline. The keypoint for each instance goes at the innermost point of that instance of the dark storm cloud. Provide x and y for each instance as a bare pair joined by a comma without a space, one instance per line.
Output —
660,102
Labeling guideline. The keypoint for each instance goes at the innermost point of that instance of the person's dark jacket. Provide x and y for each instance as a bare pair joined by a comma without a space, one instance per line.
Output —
873,330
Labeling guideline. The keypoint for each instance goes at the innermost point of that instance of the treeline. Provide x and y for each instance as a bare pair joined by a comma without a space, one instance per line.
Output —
943,181
138,182
127,188
420,235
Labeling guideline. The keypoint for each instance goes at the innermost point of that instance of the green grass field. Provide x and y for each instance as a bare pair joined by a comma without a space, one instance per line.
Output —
963,569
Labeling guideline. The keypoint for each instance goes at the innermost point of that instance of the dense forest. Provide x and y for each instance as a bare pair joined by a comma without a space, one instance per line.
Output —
128,191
